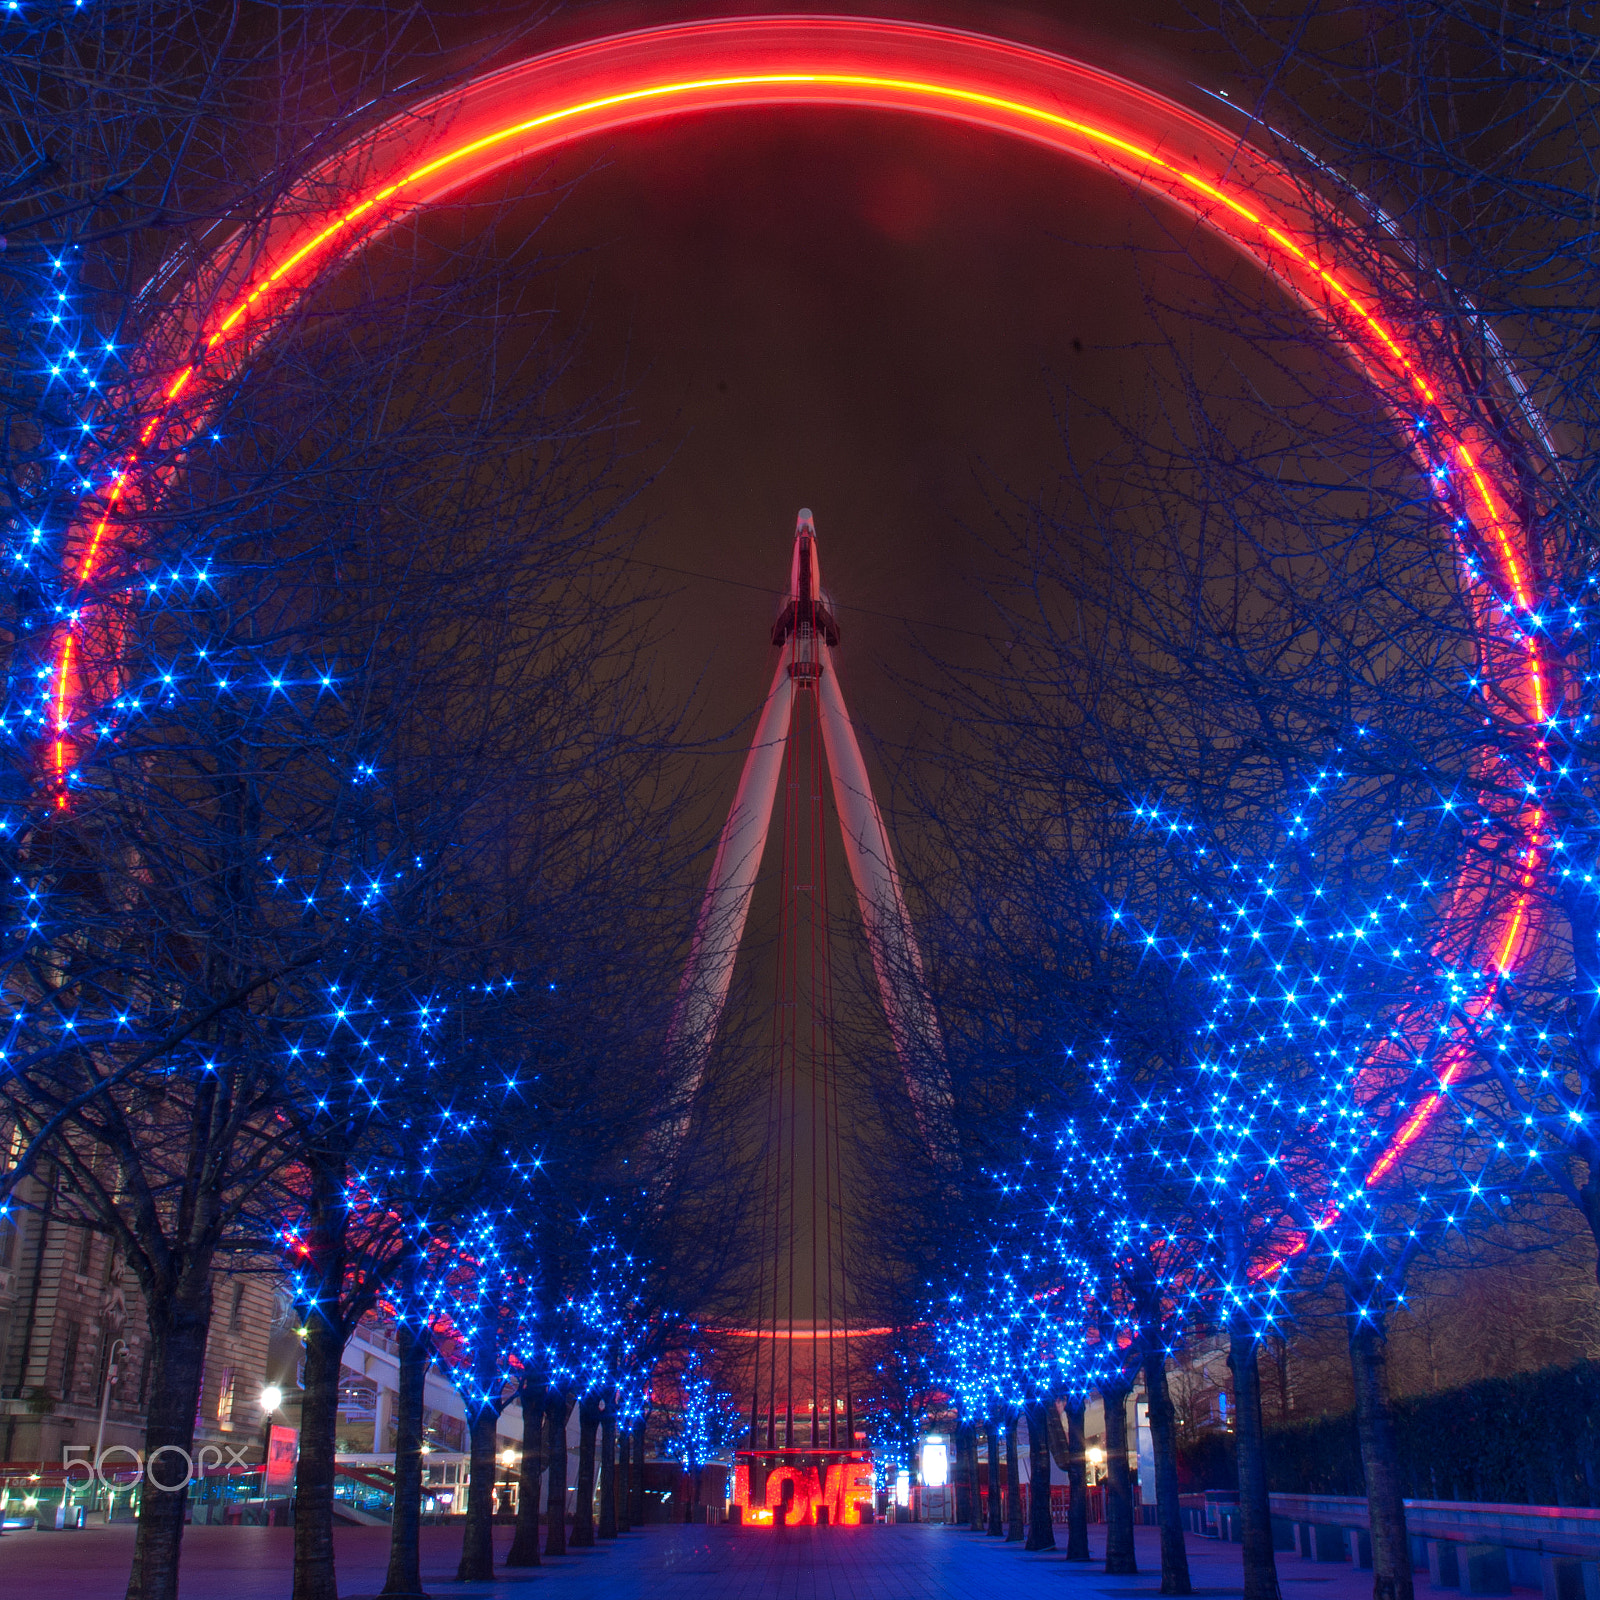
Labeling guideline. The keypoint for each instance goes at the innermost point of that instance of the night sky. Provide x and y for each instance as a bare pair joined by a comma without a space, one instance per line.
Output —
871,315
883,318
878,317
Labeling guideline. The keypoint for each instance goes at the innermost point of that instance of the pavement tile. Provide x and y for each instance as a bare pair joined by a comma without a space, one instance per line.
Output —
664,1563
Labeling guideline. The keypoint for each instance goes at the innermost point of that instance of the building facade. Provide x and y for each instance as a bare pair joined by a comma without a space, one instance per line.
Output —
74,1335
68,1304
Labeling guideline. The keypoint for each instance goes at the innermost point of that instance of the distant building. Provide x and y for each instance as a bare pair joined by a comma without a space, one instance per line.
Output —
66,1298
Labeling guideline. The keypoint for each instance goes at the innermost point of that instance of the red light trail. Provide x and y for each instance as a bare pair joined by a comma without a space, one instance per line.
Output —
444,145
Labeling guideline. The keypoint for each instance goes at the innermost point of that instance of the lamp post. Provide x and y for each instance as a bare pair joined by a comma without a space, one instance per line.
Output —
105,1397
105,1402
271,1399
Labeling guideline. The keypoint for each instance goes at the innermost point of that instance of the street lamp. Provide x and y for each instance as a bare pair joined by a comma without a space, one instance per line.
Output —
105,1402
508,1459
271,1399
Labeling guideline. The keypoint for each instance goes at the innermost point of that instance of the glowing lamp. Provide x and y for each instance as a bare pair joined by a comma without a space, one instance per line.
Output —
271,1397
935,1463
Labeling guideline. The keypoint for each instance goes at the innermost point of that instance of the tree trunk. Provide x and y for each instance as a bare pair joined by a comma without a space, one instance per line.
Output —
328,1316
524,1551
557,1410
608,1467
966,1477
1164,1447
1255,1509
179,1328
477,1537
624,1480
1120,1558
404,1578
313,1479
1386,1509
996,1523
1041,1532
1584,925
1077,1485
583,1513
636,1488
1280,1367
1013,1482
1589,1194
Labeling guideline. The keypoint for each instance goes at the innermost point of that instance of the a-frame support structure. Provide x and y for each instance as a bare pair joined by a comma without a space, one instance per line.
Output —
802,1460
805,633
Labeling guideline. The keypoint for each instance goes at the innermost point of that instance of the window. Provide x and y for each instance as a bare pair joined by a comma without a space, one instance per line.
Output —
225,1397
236,1316
8,1241
69,1361
85,1252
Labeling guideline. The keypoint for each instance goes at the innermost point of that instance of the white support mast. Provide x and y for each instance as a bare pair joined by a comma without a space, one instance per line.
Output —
806,632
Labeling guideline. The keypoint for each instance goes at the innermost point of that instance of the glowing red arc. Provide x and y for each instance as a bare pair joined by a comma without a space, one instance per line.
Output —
243,292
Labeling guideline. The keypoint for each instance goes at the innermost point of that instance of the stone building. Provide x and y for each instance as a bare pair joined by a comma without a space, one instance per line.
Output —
66,1299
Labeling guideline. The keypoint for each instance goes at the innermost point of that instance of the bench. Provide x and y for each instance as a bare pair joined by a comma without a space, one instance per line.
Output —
1480,1549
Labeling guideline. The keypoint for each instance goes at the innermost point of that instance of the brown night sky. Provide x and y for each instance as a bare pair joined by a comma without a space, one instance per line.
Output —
871,315
879,317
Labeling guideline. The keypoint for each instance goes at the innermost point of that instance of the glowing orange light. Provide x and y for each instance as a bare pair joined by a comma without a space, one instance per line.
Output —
806,1333
843,1486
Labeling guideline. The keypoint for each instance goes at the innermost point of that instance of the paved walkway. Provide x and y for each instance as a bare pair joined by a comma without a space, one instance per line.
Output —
663,1563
